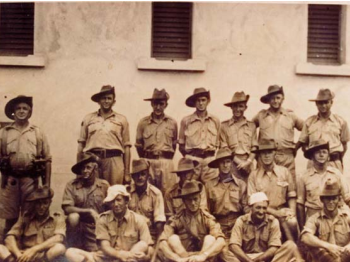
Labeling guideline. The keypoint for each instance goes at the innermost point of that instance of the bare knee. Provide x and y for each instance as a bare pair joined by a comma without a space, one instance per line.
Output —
174,241
4,252
56,251
209,239
140,246
74,254
73,219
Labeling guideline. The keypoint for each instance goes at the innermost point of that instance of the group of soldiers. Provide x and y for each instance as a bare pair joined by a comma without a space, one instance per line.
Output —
234,195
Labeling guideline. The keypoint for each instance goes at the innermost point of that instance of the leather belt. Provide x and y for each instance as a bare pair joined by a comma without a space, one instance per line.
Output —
106,153
335,156
201,153
159,155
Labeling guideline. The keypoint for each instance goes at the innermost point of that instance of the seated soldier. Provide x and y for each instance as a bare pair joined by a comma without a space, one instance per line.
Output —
193,234
256,236
146,199
37,235
327,233
279,186
185,172
82,202
121,234
311,183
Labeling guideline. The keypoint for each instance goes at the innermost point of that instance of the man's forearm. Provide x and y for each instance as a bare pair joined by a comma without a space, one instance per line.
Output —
267,255
167,251
216,248
80,150
56,239
292,203
11,245
127,158
72,209
313,241
301,215
239,253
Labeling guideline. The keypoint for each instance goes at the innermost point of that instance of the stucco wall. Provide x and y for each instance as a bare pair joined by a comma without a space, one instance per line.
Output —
246,47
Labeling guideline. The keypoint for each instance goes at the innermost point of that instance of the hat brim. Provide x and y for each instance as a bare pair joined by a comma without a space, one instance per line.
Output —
31,199
138,171
191,101
215,163
76,169
309,152
263,149
96,97
333,192
266,98
229,104
10,106
320,100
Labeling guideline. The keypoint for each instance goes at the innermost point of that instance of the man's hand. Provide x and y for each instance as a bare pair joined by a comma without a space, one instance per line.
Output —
89,257
127,177
94,214
139,256
198,258
28,255
182,259
335,250
286,213
125,256
245,165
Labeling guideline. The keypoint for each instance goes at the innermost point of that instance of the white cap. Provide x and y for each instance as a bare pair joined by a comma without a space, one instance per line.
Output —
257,197
114,191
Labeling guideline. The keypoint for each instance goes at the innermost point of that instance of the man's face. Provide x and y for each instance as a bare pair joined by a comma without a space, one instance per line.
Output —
225,165
202,103
324,106
330,203
42,206
141,178
321,156
120,205
192,202
238,109
276,101
159,107
267,156
106,102
22,111
186,175
259,210
87,170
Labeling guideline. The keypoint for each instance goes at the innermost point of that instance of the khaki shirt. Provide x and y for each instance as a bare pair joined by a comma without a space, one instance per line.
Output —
154,136
240,136
22,146
335,231
228,197
85,197
150,204
333,130
30,232
175,205
256,238
200,225
278,185
124,234
198,134
280,128
310,186
110,133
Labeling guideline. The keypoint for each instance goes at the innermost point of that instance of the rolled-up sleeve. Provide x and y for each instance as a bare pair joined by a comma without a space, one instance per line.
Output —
126,134
292,190
67,199
17,228
275,234
60,228
102,229
237,233
301,192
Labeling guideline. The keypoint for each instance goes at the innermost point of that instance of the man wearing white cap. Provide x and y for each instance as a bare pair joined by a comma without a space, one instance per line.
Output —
257,237
121,233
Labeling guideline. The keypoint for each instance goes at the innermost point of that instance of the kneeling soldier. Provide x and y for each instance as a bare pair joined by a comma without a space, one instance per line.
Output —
257,237
192,234
82,202
122,235
36,236
327,234
146,199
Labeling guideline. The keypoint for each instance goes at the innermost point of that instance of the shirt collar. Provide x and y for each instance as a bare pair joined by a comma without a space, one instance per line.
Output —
262,171
12,126
126,216
331,117
341,213
232,178
195,117
79,185
151,119
313,171
133,189
282,112
113,113
264,223
242,122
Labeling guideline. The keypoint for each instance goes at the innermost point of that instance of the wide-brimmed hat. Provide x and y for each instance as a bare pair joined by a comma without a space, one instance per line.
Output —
331,188
139,165
221,154
87,158
238,97
315,145
10,106
40,193
158,95
105,90
114,191
257,197
201,91
185,164
189,188
265,144
272,90
323,95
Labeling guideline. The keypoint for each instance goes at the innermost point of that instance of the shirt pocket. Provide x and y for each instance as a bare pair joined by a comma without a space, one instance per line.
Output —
234,196
212,134
93,127
130,238
314,133
113,237
341,232
116,128
78,200
312,194
264,239
98,198
287,128
48,231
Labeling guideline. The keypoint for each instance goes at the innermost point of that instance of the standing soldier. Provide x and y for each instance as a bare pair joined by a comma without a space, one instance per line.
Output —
25,155
156,139
105,133
227,196
239,135
146,199
199,134
82,203
328,126
278,124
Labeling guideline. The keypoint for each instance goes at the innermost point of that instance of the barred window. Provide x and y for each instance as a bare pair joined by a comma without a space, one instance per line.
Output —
324,31
172,30
16,29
